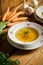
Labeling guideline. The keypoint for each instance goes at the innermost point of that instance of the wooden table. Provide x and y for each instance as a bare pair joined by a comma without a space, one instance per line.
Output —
33,57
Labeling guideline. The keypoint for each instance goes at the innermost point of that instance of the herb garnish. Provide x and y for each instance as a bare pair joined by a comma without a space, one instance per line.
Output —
4,60
25,33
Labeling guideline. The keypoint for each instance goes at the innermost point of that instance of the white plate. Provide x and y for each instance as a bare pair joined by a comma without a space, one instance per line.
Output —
24,48
27,46
39,10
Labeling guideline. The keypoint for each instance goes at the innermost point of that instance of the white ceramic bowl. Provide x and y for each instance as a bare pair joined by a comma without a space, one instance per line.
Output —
27,45
38,14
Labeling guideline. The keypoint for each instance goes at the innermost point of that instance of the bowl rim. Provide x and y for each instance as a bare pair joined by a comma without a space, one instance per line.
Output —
26,42
37,12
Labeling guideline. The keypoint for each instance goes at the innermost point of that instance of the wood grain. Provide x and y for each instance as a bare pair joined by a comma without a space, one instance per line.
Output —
34,57
9,3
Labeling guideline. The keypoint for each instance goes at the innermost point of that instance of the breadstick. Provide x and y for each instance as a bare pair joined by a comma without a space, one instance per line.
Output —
5,14
17,21
16,15
14,11
20,19
11,24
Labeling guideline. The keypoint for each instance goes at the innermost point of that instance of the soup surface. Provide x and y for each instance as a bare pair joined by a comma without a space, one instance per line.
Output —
26,34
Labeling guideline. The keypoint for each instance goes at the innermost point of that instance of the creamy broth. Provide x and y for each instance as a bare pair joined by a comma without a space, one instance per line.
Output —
26,34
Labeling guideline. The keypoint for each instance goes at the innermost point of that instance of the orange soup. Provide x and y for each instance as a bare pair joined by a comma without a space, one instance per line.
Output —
26,34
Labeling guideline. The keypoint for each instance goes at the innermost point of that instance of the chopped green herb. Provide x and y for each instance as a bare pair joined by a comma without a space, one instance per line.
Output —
16,62
5,61
26,32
